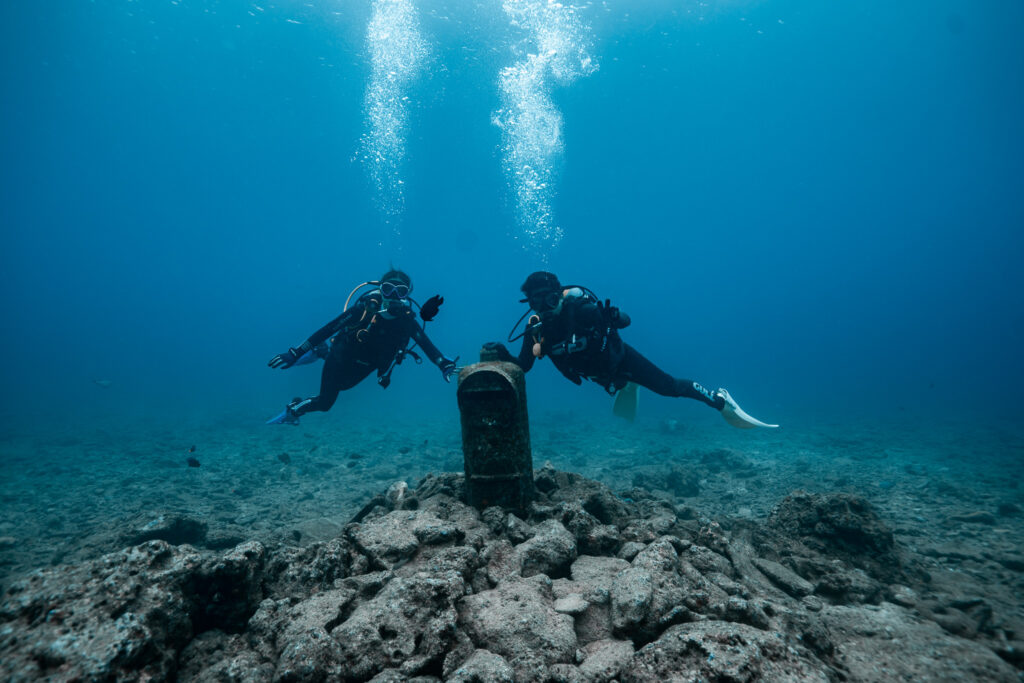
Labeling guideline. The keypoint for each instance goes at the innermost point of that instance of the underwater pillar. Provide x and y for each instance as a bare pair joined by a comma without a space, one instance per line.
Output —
495,434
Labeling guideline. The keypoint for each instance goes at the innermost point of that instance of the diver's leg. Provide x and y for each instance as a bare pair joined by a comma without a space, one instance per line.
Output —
636,368
339,373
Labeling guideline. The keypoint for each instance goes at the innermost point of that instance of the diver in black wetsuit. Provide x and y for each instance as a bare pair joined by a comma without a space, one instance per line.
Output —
372,334
580,334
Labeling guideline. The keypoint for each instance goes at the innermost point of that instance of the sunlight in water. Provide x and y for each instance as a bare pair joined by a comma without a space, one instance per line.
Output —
555,51
398,52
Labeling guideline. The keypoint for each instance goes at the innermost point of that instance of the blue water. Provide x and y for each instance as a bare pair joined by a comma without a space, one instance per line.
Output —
816,205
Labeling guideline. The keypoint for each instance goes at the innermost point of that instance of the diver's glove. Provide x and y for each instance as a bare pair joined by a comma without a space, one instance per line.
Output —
448,368
430,307
286,359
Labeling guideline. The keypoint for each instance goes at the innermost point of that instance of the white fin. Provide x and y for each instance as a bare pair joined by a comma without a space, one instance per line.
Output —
626,402
735,416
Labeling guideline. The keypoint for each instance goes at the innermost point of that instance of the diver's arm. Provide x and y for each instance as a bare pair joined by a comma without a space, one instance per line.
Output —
446,365
593,315
292,355
526,358
332,328
423,341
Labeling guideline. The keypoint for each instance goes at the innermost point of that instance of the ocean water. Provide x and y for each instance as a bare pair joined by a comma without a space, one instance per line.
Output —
815,205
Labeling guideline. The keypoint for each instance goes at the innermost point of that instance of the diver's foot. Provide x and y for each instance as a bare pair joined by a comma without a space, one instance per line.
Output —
288,417
735,415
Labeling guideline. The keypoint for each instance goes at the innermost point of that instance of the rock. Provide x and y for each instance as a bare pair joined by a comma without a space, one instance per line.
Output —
320,529
460,559
848,585
598,573
954,551
227,590
550,551
399,497
483,666
516,530
596,498
516,620
393,539
979,517
571,604
629,550
723,459
314,656
657,590
680,482
902,595
562,673
1011,651
171,527
223,538
426,588
1012,562
717,651
888,643
1008,510
409,625
501,561
124,616
784,578
216,656
605,660
744,612
296,572
841,526
592,537
707,560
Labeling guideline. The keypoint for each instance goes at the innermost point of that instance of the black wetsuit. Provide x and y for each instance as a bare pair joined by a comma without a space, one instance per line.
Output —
366,341
582,339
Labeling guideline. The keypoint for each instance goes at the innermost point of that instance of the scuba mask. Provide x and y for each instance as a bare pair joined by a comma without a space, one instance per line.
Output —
393,302
394,290
544,301
551,301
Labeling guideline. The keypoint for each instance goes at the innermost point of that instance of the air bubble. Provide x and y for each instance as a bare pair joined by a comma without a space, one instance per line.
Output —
531,125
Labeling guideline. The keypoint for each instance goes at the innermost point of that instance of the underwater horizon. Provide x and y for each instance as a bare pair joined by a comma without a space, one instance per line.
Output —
817,207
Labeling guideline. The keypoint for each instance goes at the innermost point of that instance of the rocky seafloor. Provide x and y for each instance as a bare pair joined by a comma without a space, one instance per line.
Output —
667,553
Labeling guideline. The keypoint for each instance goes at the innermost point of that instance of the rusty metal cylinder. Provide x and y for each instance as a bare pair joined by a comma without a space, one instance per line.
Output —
495,435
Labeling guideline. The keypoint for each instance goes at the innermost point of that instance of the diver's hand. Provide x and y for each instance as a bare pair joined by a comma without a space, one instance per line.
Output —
448,368
286,359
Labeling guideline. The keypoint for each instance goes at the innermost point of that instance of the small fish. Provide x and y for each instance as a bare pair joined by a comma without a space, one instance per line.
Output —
192,462
102,383
192,449
285,458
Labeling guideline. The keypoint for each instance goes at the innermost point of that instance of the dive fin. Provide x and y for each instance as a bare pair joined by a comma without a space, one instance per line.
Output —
735,416
626,402
288,417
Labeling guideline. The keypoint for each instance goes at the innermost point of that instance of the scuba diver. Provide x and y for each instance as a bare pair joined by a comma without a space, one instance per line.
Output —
372,334
580,334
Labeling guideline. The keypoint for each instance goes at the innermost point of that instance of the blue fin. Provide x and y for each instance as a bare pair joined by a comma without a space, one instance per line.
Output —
287,417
